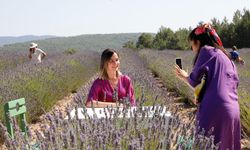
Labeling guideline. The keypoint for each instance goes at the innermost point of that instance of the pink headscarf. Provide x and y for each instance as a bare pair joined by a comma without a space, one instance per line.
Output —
207,28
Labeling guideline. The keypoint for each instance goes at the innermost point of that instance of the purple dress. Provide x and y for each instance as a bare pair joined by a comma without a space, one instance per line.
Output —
219,108
101,90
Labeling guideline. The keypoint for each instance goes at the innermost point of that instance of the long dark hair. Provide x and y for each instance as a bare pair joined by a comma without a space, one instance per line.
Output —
204,39
105,58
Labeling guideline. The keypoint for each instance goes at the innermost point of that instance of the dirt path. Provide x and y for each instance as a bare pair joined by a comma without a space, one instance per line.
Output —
60,106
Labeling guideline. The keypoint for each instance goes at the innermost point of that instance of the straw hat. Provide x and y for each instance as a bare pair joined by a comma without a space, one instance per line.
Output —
33,45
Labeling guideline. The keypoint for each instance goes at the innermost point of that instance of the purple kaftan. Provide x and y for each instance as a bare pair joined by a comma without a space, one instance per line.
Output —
102,90
219,107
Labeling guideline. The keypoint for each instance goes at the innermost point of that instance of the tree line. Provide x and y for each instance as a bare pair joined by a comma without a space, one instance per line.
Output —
232,33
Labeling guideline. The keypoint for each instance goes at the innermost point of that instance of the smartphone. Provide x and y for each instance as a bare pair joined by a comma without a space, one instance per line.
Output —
178,62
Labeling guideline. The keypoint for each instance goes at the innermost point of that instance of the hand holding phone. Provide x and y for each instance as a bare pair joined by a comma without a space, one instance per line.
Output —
178,62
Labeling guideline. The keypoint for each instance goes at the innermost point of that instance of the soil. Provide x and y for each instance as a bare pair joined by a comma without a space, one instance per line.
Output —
60,106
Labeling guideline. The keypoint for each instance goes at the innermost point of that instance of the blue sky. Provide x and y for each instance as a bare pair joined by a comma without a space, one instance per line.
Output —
76,17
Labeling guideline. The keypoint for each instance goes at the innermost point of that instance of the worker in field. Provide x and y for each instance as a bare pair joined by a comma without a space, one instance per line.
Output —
37,52
235,56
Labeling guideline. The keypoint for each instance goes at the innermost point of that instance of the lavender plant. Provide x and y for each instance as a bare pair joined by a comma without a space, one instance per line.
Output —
138,132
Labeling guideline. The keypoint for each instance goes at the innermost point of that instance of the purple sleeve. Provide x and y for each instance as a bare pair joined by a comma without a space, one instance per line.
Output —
200,67
94,90
130,91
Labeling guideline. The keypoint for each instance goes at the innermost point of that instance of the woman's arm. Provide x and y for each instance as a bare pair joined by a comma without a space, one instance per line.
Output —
182,74
198,71
41,51
98,104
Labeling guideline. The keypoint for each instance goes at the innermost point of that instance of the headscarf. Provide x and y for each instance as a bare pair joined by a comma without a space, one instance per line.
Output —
207,28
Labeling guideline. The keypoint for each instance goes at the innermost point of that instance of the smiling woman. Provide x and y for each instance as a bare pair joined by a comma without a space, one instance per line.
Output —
111,86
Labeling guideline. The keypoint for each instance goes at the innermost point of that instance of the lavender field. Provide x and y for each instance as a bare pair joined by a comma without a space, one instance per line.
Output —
117,133
162,63
42,85
60,74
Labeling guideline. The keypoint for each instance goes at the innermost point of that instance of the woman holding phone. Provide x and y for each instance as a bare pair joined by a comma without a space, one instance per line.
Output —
218,113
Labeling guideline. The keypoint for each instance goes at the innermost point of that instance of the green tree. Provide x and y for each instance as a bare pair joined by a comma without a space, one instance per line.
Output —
129,44
232,33
165,39
217,25
227,35
237,17
145,41
182,39
243,30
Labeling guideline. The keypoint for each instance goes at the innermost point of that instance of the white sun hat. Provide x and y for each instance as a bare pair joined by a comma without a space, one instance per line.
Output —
33,45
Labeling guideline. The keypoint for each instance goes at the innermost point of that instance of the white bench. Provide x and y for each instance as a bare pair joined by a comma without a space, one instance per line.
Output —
147,111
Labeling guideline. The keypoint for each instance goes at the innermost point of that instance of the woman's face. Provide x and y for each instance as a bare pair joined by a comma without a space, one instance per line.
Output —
195,45
113,63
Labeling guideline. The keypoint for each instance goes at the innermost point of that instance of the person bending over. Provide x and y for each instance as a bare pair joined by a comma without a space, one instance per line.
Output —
34,50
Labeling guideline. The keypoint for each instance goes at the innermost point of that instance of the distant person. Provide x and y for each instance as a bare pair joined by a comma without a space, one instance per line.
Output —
235,56
111,86
218,109
39,54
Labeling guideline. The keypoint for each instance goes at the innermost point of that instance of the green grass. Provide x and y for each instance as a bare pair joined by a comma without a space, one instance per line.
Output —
244,100
47,90
164,68
143,93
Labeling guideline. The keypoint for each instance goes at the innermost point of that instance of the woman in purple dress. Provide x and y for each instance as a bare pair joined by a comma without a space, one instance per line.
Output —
218,113
111,86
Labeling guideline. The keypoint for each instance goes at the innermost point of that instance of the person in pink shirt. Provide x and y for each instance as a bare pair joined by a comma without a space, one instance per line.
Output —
111,86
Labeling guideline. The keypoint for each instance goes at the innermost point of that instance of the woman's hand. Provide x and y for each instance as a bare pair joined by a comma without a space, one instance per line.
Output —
195,101
182,74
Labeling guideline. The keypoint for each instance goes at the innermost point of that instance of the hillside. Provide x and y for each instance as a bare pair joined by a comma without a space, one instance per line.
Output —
94,42
19,39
